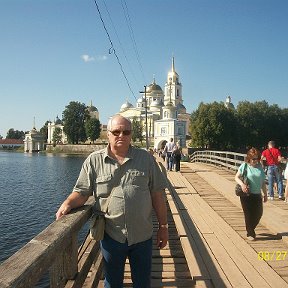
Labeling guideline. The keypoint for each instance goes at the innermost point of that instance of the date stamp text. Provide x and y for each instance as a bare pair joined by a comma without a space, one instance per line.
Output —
272,255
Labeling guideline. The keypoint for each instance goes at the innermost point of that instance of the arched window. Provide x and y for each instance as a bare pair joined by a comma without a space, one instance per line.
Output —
163,131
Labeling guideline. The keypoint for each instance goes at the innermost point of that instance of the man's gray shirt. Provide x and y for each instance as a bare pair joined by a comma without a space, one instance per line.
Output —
129,213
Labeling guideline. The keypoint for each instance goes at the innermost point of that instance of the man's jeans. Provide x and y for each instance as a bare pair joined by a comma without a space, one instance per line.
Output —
115,254
274,175
170,161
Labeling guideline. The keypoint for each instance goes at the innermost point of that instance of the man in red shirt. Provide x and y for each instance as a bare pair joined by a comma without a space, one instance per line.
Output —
273,158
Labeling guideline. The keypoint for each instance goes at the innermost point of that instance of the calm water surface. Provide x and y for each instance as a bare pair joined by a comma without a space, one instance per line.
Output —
32,186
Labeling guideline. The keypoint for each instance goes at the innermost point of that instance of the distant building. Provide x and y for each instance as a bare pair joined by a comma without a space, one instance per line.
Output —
228,103
166,115
93,111
11,143
34,141
57,123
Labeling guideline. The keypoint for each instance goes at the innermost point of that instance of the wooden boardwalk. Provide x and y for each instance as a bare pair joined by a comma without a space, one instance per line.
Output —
213,215
207,237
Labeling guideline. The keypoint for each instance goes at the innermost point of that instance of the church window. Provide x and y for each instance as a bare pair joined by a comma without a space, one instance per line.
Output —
180,131
165,114
163,131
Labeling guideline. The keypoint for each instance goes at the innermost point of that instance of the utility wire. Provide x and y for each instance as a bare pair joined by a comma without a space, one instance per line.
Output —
128,21
121,46
112,49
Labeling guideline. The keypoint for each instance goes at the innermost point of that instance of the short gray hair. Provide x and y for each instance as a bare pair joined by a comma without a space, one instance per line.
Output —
109,124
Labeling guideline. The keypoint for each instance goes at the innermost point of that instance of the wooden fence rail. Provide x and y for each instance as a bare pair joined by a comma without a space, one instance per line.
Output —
229,160
54,250
226,159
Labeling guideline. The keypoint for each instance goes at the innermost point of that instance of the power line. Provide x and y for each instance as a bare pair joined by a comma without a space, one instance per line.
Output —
128,21
121,46
112,49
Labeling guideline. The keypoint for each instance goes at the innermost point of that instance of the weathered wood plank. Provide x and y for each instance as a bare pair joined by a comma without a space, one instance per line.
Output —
65,265
31,262
248,253
87,256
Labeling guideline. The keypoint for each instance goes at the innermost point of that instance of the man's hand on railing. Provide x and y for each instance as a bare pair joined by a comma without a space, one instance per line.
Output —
63,210
74,200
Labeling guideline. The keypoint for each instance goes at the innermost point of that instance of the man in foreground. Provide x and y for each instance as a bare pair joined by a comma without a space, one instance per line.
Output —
138,187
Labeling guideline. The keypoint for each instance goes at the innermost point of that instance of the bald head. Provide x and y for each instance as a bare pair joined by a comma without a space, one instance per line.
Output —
116,119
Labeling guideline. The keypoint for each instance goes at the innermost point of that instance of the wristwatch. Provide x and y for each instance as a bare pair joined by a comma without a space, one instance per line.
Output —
163,225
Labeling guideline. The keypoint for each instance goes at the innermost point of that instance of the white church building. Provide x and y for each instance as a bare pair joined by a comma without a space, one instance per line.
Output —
166,115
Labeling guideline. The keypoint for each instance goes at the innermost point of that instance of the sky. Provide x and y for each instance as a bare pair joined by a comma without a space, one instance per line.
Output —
53,52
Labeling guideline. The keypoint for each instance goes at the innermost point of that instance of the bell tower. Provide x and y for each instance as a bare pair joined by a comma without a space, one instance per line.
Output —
173,87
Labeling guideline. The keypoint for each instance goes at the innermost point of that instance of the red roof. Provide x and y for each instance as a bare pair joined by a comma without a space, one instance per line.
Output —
11,141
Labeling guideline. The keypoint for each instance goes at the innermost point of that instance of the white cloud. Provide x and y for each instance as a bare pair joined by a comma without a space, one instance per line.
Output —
101,57
87,58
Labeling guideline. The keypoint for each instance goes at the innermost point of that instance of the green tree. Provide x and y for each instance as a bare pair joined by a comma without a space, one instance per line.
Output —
251,124
44,130
258,123
57,136
15,134
213,126
276,124
283,131
74,117
93,129
137,131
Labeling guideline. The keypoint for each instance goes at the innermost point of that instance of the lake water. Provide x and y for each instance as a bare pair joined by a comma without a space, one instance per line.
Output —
32,186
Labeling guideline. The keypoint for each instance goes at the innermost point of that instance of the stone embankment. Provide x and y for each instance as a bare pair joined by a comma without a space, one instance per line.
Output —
80,148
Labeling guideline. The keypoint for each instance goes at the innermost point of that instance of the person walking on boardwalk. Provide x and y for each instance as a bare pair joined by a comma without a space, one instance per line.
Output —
168,151
138,187
176,154
273,158
252,204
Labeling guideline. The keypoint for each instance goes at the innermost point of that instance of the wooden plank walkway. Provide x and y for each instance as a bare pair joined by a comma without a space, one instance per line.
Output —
169,265
207,238
217,215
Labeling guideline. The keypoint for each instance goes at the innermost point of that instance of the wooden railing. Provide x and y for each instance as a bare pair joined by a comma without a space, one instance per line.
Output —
55,250
229,160
226,159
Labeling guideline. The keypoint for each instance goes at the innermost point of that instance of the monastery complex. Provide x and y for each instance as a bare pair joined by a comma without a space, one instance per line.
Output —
165,113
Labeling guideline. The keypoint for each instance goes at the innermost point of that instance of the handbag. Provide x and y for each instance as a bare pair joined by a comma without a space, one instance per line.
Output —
97,227
238,189
97,222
